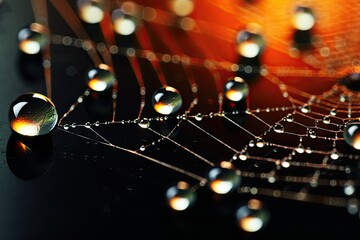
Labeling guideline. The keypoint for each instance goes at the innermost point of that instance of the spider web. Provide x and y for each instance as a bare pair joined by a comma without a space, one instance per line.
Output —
288,140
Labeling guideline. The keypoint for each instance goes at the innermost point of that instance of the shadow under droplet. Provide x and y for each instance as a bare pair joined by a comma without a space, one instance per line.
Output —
29,158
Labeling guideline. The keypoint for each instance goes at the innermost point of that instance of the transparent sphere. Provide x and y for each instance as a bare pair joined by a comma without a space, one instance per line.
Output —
33,39
32,114
90,11
236,89
182,8
180,196
123,24
252,216
303,18
100,78
352,135
249,43
224,178
167,100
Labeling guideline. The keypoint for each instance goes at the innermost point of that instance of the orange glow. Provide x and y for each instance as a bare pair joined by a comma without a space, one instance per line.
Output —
357,141
29,46
251,224
179,203
182,8
220,186
163,108
97,85
25,128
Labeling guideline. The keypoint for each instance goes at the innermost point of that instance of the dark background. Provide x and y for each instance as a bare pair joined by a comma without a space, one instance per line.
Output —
89,191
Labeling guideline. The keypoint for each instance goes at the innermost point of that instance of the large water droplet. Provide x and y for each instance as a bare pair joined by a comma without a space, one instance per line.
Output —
352,135
100,78
180,196
167,100
236,89
223,178
253,216
32,114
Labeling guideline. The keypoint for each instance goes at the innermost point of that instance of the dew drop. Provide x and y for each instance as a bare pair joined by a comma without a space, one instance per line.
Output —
279,128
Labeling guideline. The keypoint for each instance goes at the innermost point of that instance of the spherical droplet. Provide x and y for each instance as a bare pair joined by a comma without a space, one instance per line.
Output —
123,24
300,148
260,142
100,78
249,43
167,100
198,117
253,216
90,11
303,18
223,178
349,188
243,155
236,89
326,120
251,143
142,148
33,38
312,133
333,112
334,154
305,108
289,118
144,123
180,196
32,114
279,128
352,135
182,8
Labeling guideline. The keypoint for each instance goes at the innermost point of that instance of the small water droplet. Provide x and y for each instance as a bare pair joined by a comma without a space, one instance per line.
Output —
279,128
289,118
312,133
144,123
142,148
305,108
87,125
334,154
243,155
300,148
326,120
66,126
333,112
260,142
97,123
251,143
198,117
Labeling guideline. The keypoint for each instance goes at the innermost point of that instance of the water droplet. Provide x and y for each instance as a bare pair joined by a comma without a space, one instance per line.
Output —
100,78
66,126
289,118
352,135
279,128
167,100
308,150
223,178
312,133
260,142
251,143
32,114
305,108
334,154
326,120
342,98
142,148
97,123
33,39
73,125
180,197
243,155
144,123
236,89
253,216
87,125
198,117
333,112
349,188
249,43
300,148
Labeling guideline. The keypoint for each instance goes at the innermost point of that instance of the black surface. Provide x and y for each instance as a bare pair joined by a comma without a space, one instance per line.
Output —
90,191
